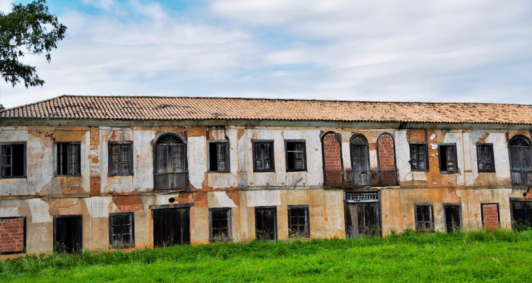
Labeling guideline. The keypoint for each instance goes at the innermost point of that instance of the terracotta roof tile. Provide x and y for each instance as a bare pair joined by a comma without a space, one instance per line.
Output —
205,108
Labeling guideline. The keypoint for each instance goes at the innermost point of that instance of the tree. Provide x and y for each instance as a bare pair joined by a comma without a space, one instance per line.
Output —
33,27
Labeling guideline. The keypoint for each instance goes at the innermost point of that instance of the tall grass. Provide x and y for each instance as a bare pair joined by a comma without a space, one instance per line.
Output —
410,256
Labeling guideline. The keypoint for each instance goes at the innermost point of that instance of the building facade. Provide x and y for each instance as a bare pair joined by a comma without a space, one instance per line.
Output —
88,172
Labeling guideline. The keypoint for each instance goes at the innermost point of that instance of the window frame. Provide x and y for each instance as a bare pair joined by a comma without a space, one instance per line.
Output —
490,145
307,221
427,164
227,154
56,161
455,157
272,156
112,245
110,160
229,224
24,161
304,142
432,226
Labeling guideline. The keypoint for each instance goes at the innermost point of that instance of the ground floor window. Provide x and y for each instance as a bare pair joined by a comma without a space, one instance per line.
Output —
121,230
68,233
424,218
490,216
220,224
298,222
12,235
453,217
521,214
266,223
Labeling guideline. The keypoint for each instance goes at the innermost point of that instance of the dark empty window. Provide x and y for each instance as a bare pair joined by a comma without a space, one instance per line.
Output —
485,157
295,156
220,219
263,160
68,159
424,218
521,161
298,226
120,159
121,230
419,157
447,153
219,157
14,160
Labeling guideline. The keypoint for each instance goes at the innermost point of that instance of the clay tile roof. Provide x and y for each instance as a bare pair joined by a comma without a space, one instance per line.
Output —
206,108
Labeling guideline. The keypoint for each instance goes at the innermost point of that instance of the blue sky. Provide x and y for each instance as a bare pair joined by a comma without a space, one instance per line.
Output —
335,49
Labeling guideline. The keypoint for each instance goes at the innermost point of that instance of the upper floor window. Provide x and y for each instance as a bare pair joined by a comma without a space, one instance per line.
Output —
263,159
68,159
521,161
485,157
13,160
120,158
360,174
219,156
170,162
419,157
447,154
296,156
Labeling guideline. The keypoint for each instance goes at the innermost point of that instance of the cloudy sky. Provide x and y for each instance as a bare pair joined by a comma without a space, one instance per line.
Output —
452,50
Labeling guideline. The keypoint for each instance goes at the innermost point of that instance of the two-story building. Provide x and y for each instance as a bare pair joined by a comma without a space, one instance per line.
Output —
98,172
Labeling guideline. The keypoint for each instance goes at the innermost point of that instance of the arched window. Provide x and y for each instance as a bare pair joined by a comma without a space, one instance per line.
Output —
386,152
170,162
360,174
521,161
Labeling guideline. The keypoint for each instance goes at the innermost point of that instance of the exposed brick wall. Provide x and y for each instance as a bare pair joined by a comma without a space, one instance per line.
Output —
490,215
128,203
11,235
94,160
333,161
417,136
386,159
95,187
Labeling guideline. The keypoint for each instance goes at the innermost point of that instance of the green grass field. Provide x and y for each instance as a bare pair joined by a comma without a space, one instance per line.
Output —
499,256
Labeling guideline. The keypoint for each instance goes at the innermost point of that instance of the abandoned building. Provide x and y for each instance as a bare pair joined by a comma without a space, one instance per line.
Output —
100,172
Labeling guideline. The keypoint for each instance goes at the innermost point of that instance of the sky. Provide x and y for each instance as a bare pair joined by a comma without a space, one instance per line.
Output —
376,50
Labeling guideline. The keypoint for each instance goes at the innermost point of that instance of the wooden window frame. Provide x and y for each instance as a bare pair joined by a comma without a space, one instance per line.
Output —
427,165
23,218
110,160
459,205
272,155
440,154
57,161
432,229
229,224
227,154
132,230
24,161
490,146
304,142
307,221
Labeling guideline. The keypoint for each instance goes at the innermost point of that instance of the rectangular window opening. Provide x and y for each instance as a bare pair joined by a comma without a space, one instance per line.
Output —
447,154
419,157
263,159
121,230
14,160
298,222
424,218
68,159
219,157
220,224
296,156
485,158
120,159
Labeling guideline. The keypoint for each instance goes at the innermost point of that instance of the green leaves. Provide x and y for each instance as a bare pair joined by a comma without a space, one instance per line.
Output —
28,29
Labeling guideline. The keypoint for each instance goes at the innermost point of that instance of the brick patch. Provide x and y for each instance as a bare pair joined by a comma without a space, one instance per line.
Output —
417,136
11,235
333,161
95,187
386,159
128,203
490,216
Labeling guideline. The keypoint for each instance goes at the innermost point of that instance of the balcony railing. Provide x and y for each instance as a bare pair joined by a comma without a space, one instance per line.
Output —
521,178
369,178
171,181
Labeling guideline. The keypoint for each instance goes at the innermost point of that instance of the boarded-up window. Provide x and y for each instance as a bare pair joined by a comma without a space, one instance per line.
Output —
12,235
490,216
521,161
298,222
485,159
68,159
295,156
120,159
121,230
170,163
332,160
219,157
424,218
447,154
386,153
13,160
220,224
263,159
360,175
419,157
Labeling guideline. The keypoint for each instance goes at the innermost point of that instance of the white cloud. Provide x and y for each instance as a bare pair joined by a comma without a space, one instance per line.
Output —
6,5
